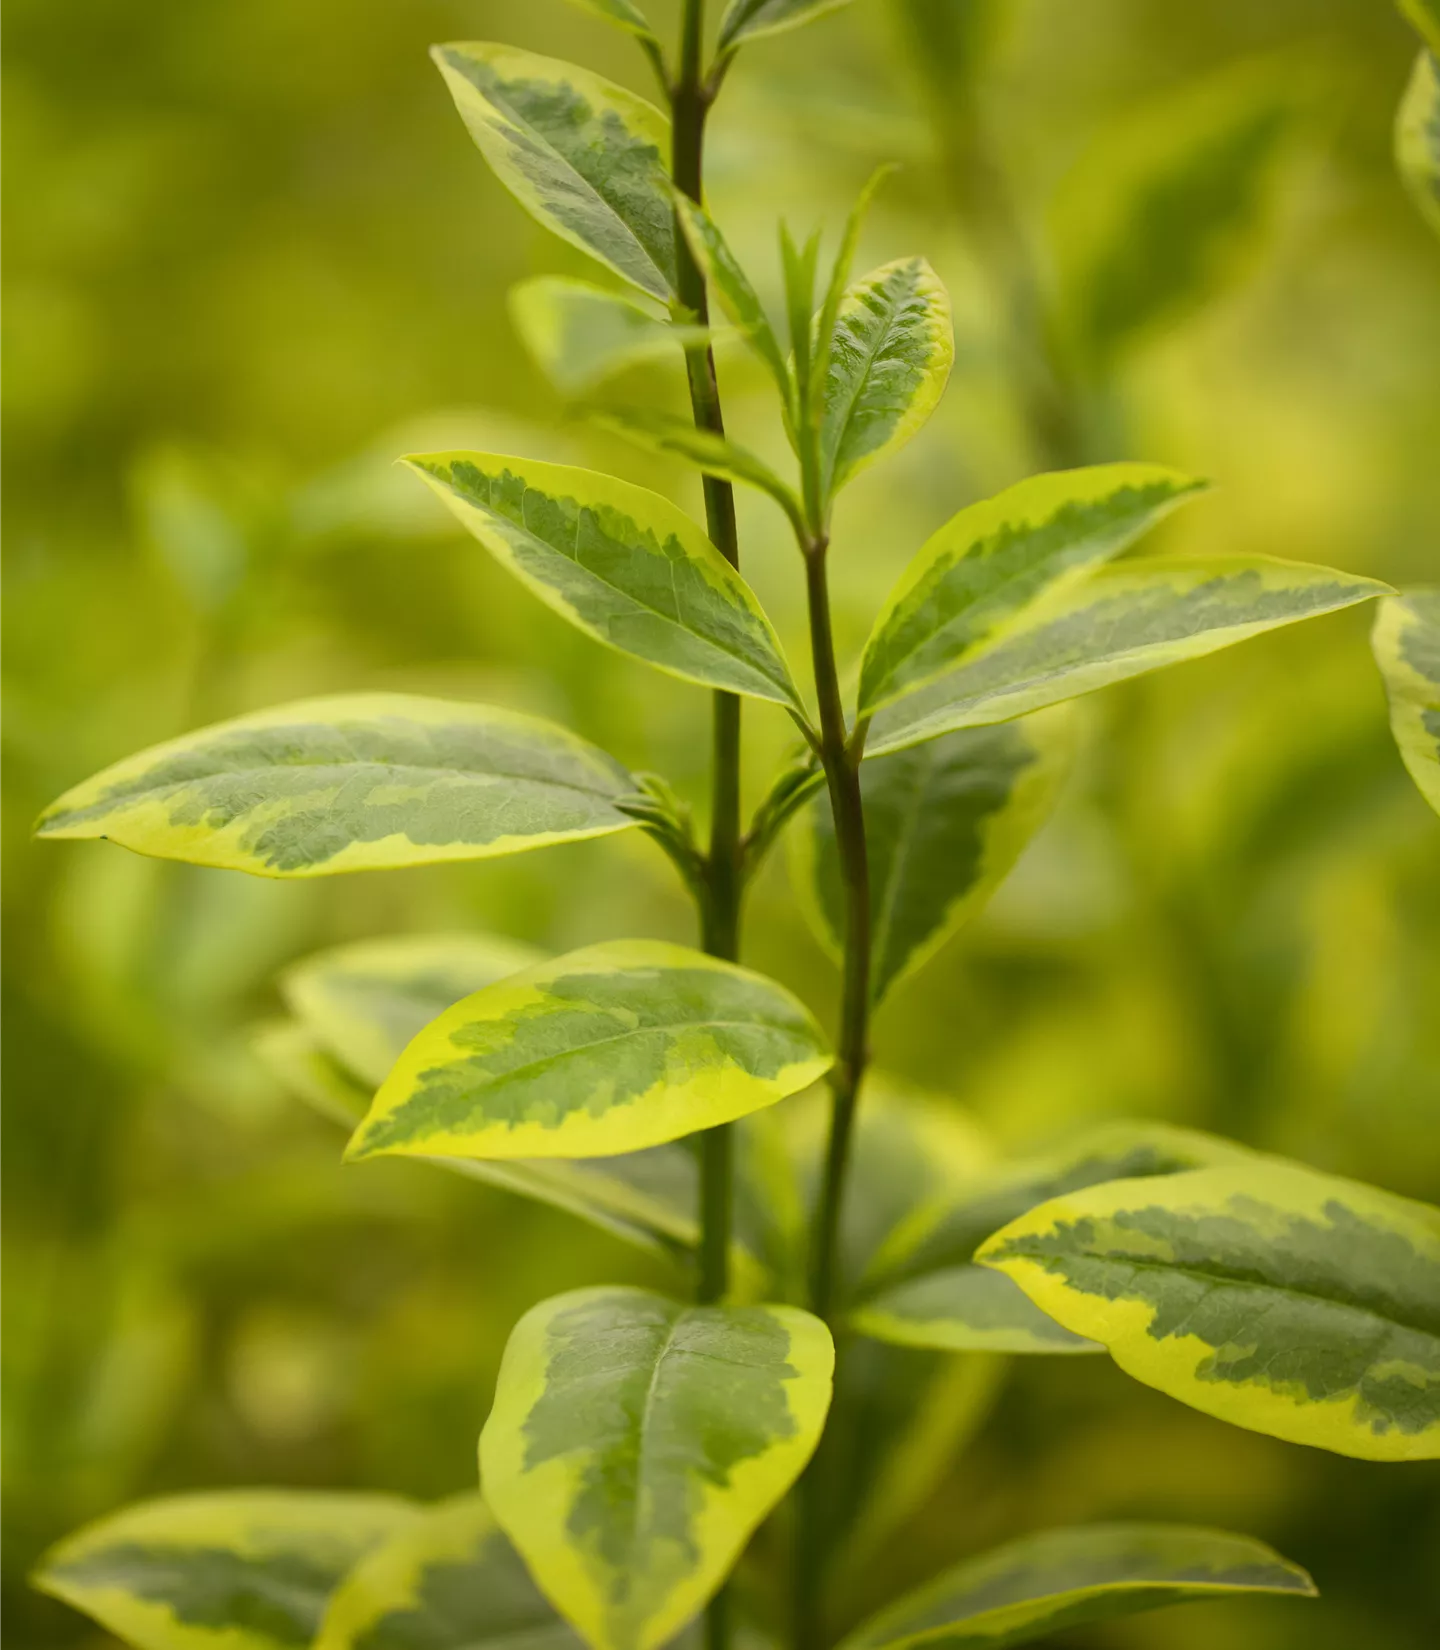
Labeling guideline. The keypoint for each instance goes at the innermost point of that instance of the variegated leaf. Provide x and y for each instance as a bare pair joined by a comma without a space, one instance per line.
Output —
354,783
579,334
1417,136
924,1287
635,1443
1120,622
605,1050
889,360
367,1000
1162,212
1279,1299
583,156
1406,640
750,19
1043,1584
990,563
448,1581
945,821
294,1056
623,564
229,1570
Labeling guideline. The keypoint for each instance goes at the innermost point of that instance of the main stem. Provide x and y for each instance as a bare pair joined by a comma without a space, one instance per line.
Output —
840,756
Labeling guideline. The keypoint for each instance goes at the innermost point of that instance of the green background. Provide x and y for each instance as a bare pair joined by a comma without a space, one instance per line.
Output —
252,256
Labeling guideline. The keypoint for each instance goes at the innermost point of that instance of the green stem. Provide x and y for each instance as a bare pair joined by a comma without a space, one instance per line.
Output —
840,756
689,105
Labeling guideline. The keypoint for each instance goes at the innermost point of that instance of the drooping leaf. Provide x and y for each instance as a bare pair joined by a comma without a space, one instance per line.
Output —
636,1442
1162,212
924,1287
750,19
621,563
945,821
231,1570
580,334
1279,1299
1045,1583
448,1581
358,782
583,156
1417,136
1406,640
605,1050
624,14
1120,622
732,286
889,360
990,563
716,455
1424,15
367,1000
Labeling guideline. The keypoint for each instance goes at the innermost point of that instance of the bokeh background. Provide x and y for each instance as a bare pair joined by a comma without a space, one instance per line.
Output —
252,256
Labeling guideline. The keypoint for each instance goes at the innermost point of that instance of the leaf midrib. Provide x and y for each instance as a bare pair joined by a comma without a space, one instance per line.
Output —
883,332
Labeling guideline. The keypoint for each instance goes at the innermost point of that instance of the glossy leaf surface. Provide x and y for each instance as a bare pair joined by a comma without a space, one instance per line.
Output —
1406,640
605,1050
636,1442
583,156
750,19
448,1581
366,1001
623,564
988,565
1417,137
924,1288
353,783
230,1570
889,360
1045,1583
945,822
1120,622
1160,216
579,334
1279,1299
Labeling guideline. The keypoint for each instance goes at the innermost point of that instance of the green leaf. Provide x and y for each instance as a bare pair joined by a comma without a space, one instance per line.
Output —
716,455
889,359
366,1001
232,1570
448,1581
583,156
924,1287
605,1050
944,822
1045,1583
635,1444
359,782
1162,212
1406,640
835,292
622,13
1120,622
1417,137
580,334
751,19
1425,17
732,286
1281,1300
987,566
623,564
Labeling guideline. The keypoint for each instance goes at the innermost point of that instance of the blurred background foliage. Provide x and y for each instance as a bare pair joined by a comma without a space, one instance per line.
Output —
251,258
